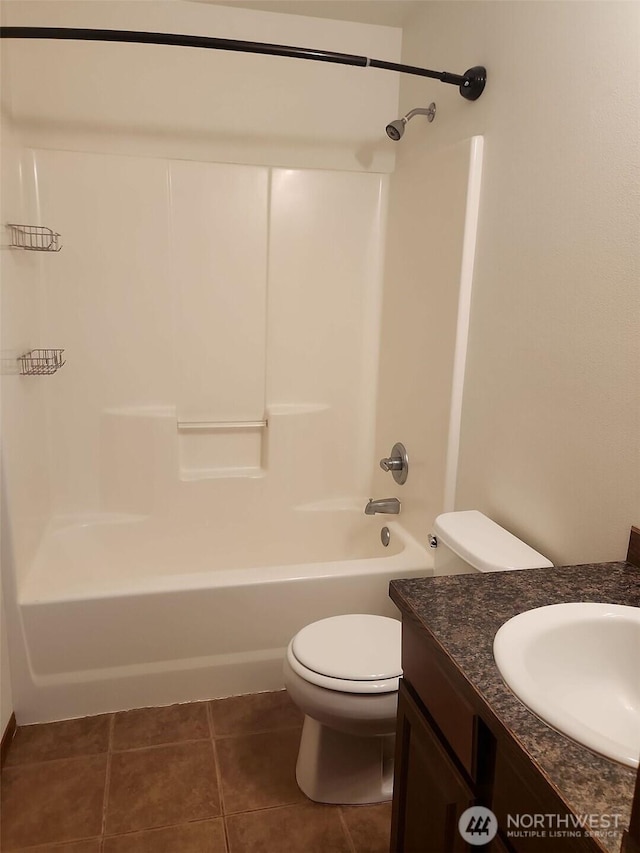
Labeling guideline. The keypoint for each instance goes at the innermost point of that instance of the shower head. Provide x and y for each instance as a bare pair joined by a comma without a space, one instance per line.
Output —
395,129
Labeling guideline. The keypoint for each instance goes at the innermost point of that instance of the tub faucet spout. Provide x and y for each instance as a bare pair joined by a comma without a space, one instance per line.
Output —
390,506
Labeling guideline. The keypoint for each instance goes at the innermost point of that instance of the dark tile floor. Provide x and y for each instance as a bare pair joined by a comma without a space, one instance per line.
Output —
207,777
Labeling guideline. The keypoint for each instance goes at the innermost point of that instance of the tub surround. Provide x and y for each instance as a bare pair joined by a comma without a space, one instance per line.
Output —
457,617
217,615
7,737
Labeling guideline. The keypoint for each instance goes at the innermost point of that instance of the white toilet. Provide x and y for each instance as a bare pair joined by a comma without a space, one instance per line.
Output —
343,672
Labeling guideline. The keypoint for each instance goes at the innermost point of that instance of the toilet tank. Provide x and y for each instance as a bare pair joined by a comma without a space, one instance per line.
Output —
469,541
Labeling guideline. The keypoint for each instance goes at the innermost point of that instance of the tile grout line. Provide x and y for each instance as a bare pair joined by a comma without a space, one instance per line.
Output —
287,805
107,782
161,745
345,828
212,731
50,761
214,737
145,829
259,732
212,725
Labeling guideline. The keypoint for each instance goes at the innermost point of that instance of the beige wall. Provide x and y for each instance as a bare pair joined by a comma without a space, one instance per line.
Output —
426,237
198,312
551,418
23,413
221,106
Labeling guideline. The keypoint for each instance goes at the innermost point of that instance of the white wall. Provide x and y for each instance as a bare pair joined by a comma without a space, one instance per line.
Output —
23,412
186,103
551,419
426,237
24,426
206,293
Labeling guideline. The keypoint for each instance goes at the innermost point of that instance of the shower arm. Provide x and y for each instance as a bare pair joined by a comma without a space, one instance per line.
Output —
471,84
422,111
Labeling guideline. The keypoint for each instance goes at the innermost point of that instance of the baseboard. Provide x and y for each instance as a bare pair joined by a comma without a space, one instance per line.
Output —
7,737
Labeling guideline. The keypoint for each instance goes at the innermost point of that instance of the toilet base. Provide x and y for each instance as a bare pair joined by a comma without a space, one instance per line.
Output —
334,767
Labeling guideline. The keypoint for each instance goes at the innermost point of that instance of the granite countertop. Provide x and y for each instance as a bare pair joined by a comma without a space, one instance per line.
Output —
463,612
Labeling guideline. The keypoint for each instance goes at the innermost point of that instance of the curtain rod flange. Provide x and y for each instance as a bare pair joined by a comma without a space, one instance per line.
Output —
476,80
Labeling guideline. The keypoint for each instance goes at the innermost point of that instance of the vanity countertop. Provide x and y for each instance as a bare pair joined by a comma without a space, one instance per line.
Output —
462,614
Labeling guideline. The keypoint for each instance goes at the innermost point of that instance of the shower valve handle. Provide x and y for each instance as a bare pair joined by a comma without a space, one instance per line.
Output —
397,463
391,463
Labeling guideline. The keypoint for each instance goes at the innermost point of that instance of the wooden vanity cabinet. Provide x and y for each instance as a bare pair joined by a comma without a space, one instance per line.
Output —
452,754
498,846
431,792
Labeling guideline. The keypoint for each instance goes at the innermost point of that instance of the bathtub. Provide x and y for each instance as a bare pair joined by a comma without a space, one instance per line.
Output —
120,612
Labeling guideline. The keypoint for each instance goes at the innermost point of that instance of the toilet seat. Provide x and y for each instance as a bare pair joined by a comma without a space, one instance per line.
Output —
357,653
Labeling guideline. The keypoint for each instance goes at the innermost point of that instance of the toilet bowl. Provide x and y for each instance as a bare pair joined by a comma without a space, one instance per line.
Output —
343,672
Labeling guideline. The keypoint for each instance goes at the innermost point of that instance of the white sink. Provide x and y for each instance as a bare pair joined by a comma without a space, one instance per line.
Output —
577,666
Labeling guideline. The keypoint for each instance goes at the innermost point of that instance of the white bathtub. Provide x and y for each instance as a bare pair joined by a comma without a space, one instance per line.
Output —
122,611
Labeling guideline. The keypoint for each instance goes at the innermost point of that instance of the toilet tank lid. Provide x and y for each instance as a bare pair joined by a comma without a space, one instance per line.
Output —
484,544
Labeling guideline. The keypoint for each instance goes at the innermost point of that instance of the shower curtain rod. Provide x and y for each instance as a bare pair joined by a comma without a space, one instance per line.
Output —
471,84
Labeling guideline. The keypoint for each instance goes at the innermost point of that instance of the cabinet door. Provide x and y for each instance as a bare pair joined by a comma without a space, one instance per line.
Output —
518,789
498,846
429,792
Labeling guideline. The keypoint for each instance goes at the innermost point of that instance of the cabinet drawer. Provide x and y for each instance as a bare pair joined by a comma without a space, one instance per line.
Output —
452,715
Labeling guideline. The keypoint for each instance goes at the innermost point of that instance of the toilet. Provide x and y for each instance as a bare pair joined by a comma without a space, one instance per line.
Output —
467,541
343,672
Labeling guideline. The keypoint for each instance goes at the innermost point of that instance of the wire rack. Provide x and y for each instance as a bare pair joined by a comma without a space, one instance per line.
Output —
41,362
34,238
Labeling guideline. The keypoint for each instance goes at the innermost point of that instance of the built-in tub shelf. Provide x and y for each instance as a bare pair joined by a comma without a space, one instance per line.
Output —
40,362
192,475
210,449
34,238
207,426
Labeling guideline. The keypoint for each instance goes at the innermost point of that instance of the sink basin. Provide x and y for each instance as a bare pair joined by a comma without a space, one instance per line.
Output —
577,666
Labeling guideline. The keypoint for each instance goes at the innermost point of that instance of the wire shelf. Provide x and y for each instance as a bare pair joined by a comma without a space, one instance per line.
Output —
40,362
34,238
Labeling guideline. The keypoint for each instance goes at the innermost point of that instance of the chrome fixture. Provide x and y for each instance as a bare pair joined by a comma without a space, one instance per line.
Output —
208,426
385,536
35,238
388,506
432,540
395,129
40,362
397,463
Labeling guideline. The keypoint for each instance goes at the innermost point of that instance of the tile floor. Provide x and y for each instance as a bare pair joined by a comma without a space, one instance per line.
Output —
207,777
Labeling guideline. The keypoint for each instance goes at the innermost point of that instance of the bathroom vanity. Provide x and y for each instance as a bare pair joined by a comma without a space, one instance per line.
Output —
464,739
